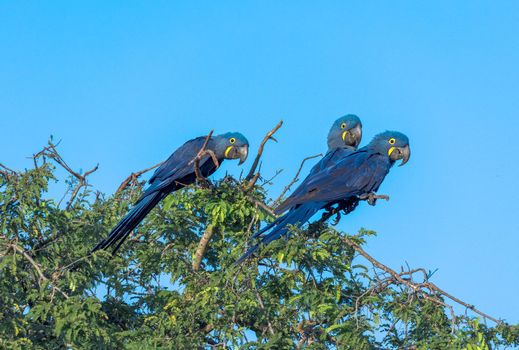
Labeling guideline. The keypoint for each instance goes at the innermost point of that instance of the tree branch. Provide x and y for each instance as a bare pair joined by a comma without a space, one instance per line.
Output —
51,152
260,150
202,152
261,205
202,246
41,276
295,179
132,178
262,306
7,172
417,287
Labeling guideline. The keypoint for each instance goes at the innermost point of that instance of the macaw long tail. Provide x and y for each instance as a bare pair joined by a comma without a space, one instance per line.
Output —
297,216
123,229
265,229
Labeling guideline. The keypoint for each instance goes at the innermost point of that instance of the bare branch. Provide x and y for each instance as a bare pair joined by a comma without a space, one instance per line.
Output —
201,153
260,150
6,171
417,287
295,179
51,152
269,180
132,178
41,276
261,205
251,183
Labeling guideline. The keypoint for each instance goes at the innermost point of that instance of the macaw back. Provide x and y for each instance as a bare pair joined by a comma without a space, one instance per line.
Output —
175,173
179,169
331,158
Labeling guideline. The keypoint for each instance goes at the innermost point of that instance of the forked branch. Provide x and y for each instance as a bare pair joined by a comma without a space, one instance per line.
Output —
267,137
51,152
133,177
420,287
201,153
294,180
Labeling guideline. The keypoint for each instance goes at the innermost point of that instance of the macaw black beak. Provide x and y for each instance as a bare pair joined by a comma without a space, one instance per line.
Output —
353,136
243,152
403,153
406,154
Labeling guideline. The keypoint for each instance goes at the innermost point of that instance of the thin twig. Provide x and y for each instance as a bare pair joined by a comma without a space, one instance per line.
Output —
250,184
261,205
7,172
51,152
132,178
415,286
260,150
295,179
269,180
41,276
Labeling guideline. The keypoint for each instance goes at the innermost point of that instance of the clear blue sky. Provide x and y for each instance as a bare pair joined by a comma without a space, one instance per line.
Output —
125,83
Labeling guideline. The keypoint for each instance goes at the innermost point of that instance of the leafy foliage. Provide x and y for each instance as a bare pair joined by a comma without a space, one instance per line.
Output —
308,291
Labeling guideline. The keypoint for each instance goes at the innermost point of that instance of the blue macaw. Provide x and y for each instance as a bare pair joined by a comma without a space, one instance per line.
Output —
356,174
175,173
343,138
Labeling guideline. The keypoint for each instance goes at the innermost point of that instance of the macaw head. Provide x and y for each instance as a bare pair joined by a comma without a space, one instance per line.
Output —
232,145
345,132
394,144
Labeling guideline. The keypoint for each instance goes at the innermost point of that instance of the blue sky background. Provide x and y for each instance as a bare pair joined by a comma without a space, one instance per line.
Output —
125,83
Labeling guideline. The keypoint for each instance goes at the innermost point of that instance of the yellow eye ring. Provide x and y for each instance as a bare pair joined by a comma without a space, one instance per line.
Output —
232,140
392,141
343,126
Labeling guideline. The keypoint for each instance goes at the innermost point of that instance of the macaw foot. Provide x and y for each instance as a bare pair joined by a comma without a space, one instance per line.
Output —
372,197
331,211
340,208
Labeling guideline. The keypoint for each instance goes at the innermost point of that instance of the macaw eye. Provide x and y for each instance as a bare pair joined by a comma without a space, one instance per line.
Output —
343,126
392,141
232,140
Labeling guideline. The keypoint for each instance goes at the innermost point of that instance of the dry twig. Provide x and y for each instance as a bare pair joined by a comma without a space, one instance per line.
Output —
260,150
6,171
295,179
37,268
51,152
417,287
132,178
261,205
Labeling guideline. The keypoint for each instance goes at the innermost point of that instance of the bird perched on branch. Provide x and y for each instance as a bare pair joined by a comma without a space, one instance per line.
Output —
356,174
199,157
343,138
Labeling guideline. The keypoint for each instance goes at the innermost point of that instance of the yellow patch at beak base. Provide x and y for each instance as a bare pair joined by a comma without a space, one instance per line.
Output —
390,151
344,134
227,151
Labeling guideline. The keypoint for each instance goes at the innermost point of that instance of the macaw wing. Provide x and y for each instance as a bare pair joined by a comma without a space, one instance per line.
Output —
357,173
179,166
178,160
330,159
